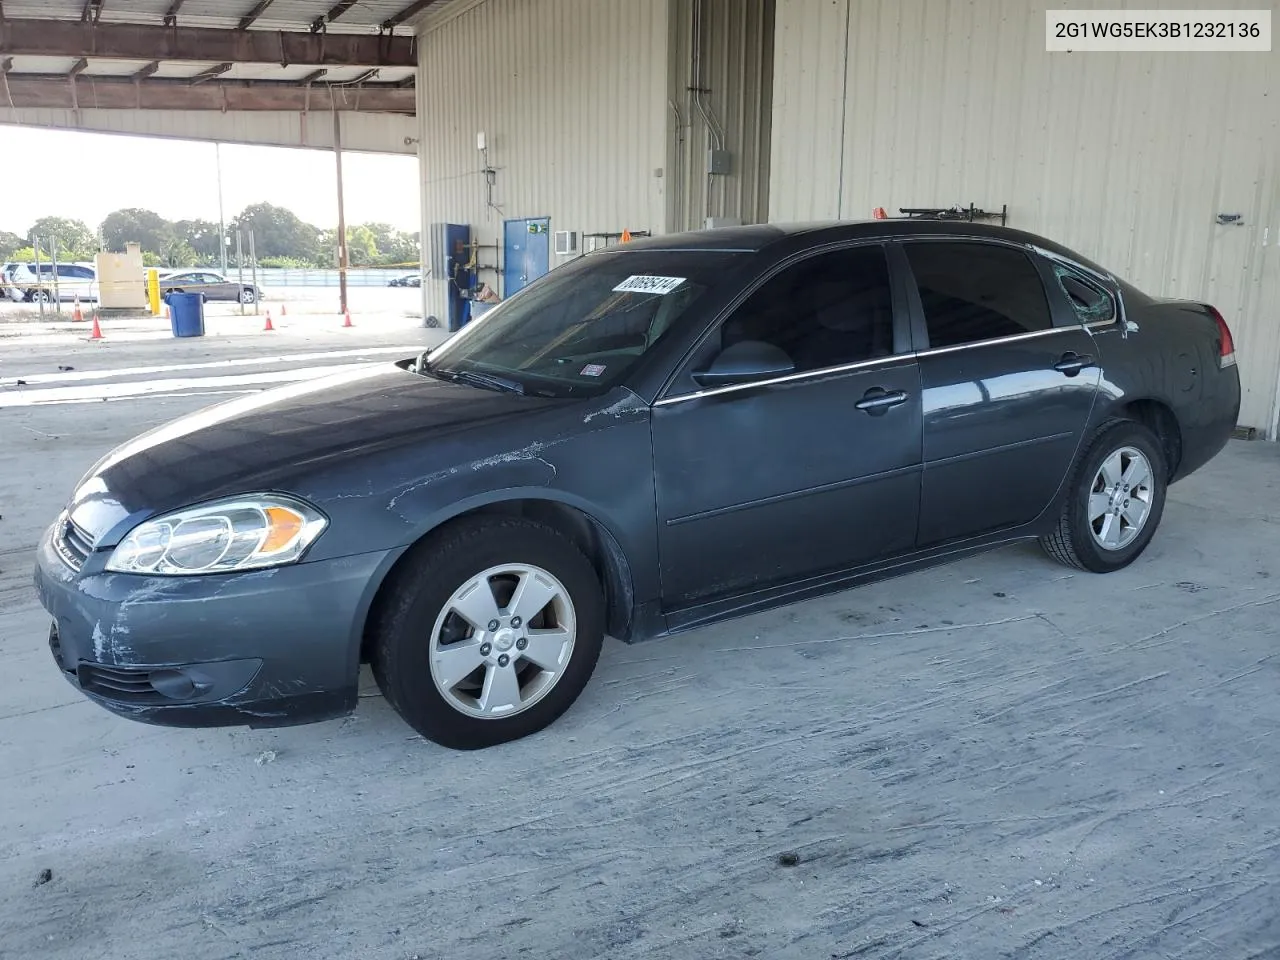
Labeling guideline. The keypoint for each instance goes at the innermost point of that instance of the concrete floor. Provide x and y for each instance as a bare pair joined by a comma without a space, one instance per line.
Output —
999,758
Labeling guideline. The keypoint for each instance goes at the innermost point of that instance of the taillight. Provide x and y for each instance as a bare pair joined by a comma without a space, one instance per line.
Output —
1226,345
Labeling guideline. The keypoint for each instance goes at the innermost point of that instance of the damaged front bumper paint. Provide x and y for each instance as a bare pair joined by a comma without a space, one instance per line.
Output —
262,648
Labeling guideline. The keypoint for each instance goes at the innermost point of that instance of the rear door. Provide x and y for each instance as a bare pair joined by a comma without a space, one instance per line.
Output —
226,288
214,287
771,480
1009,382
76,281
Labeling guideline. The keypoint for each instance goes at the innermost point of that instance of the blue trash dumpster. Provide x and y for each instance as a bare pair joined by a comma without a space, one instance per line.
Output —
186,314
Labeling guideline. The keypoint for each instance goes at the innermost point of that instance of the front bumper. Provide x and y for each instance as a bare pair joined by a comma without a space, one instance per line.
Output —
260,648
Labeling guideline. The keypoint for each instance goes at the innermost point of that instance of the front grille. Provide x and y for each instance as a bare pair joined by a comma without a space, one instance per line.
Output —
123,684
73,545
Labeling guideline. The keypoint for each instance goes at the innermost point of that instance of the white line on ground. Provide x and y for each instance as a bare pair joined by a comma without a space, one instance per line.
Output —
74,375
115,391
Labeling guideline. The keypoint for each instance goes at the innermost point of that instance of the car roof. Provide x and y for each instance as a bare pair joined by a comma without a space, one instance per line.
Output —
757,237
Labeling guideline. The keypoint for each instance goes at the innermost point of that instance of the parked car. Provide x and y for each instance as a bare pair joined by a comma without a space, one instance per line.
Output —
214,286
412,280
8,287
41,283
656,436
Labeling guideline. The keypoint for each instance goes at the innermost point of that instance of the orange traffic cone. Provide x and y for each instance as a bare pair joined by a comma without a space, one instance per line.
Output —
76,315
267,327
346,319
96,333
626,235
879,214
283,311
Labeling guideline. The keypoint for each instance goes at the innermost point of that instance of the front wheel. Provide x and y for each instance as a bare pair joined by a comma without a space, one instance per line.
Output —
490,633
1115,500
248,296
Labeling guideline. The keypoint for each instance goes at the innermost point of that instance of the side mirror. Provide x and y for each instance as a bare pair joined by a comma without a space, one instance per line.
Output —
745,361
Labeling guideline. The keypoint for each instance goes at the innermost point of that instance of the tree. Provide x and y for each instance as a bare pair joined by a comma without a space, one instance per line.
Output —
394,247
327,250
75,240
9,242
278,232
362,248
147,229
178,254
202,237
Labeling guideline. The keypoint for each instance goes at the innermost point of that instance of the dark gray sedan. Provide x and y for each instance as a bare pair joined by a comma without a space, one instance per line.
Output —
214,286
650,438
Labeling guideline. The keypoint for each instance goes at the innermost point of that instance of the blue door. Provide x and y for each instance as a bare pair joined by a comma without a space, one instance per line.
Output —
526,253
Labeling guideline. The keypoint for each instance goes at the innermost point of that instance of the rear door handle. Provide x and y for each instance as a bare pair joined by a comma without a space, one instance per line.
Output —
878,400
1072,363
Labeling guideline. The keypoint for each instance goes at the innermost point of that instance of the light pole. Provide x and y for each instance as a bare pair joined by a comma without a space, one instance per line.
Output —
222,224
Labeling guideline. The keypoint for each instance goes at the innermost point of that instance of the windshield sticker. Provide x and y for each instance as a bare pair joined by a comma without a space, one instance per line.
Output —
591,370
659,285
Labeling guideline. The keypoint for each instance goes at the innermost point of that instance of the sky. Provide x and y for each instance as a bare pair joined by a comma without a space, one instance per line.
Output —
85,176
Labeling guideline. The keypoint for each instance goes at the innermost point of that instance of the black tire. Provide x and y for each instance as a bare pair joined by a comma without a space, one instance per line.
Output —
248,296
425,583
1072,541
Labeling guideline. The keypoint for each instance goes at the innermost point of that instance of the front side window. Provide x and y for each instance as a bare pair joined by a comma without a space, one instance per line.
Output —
829,310
972,292
580,329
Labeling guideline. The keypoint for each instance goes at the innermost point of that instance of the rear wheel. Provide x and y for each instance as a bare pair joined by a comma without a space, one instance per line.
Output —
490,634
1116,500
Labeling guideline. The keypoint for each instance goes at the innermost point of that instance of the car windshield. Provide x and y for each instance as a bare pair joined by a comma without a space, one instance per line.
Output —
581,328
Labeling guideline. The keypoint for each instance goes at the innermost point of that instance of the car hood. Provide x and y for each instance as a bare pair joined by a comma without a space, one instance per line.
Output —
269,440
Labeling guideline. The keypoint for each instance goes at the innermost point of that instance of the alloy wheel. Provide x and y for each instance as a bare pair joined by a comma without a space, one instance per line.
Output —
1120,498
502,641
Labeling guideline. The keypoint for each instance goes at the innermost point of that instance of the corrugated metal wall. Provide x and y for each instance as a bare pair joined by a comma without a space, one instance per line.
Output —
1126,157
367,132
572,97
737,74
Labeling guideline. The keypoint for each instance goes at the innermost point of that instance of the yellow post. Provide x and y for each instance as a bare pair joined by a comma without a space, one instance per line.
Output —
153,291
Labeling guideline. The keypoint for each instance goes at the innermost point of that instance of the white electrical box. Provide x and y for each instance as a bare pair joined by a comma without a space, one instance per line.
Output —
712,223
566,243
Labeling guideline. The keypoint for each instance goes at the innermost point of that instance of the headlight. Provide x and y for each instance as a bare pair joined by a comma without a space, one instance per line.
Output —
243,534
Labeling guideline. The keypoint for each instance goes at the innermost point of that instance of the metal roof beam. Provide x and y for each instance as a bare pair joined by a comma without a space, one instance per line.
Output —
258,10
336,11
78,67
171,18
41,91
147,71
92,11
211,73
412,10
126,41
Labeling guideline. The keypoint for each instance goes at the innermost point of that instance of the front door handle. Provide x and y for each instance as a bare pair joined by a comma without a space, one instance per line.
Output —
877,401
1072,363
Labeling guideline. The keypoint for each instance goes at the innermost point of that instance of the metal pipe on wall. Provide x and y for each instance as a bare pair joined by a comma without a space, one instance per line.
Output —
698,94
679,219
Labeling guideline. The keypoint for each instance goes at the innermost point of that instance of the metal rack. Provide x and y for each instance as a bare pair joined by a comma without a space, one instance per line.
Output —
969,214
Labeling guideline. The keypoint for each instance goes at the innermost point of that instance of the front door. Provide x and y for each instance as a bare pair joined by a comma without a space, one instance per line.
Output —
526,253
1009,384
793,473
